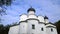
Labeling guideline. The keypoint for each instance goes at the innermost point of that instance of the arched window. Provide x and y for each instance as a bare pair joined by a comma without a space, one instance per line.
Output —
42,29
33,26
51,30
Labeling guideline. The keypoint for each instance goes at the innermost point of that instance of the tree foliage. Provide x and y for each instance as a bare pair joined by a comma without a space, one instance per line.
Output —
58,26
5,29
4,3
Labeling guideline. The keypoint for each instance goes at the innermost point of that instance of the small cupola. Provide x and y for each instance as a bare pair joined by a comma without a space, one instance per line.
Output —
31,10
45,17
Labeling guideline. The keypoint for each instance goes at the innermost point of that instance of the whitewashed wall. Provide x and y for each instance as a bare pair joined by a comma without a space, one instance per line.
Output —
40,26
23,28
30,30
23,17
14,30
41,18
48,30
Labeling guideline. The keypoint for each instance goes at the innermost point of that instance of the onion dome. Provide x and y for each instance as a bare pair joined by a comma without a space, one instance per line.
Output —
31,9
45,17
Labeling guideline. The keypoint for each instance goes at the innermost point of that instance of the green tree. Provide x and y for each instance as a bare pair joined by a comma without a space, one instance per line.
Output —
1,29
58,26
4,3
5,29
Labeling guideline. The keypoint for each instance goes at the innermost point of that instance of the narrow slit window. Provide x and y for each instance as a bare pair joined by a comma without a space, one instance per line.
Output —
42,29
33,26
51,29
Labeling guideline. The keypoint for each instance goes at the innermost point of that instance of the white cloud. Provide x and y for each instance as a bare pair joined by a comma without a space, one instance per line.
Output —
47,6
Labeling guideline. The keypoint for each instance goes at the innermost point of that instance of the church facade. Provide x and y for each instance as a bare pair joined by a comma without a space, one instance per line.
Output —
32,24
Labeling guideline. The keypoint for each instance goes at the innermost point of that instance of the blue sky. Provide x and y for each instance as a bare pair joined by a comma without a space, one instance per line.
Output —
50,8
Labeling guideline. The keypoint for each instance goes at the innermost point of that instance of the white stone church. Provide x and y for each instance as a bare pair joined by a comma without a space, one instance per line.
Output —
32,24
